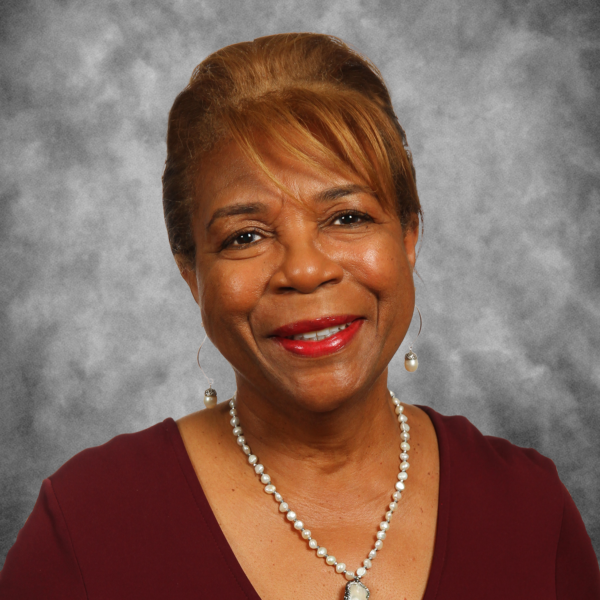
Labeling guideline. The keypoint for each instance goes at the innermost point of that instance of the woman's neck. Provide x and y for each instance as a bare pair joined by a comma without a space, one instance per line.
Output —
359,439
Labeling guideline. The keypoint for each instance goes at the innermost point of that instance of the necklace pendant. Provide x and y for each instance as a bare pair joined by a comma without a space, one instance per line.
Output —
355,590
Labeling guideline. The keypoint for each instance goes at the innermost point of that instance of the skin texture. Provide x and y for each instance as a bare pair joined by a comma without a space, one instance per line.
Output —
323,427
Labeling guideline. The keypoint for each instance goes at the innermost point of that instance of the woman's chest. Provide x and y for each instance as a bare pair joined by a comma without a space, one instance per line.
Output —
343,520
281,565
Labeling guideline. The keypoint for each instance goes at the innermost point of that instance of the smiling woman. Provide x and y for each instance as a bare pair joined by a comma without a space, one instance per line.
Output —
324,253
293,215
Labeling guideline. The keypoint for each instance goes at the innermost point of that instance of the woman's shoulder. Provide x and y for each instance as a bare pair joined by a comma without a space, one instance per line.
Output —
472,451
124,461
487,477
505,508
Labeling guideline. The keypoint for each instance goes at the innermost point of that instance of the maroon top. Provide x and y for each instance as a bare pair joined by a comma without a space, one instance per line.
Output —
129,519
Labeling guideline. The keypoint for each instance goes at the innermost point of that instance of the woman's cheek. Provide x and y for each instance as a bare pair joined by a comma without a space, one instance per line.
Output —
231,289
378,266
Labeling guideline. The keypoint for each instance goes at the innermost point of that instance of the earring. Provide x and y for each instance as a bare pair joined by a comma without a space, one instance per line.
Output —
411,362
210,395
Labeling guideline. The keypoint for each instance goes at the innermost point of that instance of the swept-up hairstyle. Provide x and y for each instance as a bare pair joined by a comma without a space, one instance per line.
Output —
313,85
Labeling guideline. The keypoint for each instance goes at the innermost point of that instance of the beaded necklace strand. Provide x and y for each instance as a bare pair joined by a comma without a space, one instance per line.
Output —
355,589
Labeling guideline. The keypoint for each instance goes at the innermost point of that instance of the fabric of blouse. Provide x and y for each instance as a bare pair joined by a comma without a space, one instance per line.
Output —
129,519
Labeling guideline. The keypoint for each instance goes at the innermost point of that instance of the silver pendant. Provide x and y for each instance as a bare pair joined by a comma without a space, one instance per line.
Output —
355,590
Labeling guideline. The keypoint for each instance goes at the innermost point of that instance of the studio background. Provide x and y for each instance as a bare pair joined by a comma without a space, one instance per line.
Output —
98,331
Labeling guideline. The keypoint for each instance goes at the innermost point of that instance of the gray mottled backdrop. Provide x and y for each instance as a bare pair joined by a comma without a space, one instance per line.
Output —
99,333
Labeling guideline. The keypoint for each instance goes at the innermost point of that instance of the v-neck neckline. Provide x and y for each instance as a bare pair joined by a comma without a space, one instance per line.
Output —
222,545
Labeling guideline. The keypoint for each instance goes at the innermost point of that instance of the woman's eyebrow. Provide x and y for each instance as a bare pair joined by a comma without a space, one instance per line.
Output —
237,209
257,207
340,191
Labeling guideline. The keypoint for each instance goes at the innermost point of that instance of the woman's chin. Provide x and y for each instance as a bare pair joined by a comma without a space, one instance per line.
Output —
327,389
324,377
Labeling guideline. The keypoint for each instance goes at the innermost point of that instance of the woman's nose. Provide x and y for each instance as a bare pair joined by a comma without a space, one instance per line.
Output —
305,267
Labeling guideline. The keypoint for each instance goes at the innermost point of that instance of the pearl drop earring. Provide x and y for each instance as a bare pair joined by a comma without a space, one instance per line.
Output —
411,362
210,395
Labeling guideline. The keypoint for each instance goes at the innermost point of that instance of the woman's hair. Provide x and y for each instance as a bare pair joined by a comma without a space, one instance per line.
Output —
312,85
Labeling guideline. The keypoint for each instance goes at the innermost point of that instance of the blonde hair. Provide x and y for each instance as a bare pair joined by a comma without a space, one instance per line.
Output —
314,85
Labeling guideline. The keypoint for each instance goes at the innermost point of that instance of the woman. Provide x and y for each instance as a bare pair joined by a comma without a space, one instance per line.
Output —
292,212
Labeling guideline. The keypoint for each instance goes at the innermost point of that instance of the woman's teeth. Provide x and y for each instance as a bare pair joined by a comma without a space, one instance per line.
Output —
315,336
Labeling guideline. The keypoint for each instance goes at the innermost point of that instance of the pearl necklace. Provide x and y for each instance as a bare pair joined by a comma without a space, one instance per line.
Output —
355,589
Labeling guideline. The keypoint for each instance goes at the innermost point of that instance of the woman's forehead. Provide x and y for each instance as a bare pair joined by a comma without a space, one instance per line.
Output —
229,171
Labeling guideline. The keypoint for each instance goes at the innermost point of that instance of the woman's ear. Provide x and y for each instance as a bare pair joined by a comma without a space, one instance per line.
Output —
411,237
188,272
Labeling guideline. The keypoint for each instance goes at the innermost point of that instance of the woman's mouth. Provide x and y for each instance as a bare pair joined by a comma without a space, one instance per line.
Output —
318,337
322,334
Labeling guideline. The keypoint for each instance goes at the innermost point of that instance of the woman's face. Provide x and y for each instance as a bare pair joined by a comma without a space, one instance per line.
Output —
329,261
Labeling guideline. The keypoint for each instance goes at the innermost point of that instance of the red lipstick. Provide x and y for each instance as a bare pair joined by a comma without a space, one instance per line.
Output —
313,347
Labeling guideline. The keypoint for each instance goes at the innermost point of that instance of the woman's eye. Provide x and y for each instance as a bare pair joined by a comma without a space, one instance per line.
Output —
350,219
245,238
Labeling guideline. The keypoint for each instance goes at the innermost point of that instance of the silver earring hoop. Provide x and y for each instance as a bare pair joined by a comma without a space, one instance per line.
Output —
210,395
411,362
